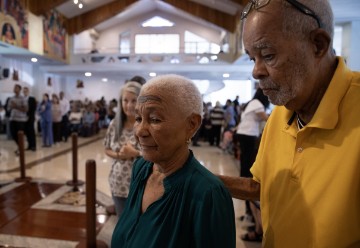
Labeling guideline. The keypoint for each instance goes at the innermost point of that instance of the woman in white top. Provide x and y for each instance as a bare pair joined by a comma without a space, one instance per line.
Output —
248,132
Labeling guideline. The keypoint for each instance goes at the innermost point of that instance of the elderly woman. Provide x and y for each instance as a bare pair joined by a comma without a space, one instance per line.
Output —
173,200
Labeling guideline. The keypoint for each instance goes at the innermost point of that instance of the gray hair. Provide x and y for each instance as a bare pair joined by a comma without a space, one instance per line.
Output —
120,116
182,90
299,24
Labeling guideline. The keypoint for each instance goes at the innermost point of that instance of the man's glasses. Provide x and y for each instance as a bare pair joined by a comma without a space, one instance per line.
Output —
258,4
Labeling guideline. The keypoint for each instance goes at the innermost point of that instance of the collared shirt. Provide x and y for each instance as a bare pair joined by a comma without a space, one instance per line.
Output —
65,106
310,178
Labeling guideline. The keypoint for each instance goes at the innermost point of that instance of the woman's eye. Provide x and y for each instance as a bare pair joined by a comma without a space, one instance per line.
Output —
138,119
154,120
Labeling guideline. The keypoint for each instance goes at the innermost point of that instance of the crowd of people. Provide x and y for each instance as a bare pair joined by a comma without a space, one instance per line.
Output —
53,117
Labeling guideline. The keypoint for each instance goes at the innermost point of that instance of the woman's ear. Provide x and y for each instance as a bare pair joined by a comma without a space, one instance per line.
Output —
194,122
321,42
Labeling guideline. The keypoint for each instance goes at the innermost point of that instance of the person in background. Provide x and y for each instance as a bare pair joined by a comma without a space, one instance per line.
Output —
248,132
121,146
237,109
306,173
45,112
65,109
18,107
138,79
56,118
173,201
87,127
7,119
75,118
30,128
217,118
229,116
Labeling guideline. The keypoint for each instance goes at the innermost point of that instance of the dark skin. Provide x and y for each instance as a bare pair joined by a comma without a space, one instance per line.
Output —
293,71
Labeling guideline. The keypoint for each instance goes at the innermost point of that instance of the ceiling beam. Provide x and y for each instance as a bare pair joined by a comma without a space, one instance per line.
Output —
93,17
221,19
40,7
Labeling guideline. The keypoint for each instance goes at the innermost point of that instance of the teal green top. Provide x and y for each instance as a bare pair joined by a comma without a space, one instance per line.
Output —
196,210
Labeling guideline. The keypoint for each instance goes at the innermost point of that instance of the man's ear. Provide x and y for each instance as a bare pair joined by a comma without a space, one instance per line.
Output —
321,41
194,122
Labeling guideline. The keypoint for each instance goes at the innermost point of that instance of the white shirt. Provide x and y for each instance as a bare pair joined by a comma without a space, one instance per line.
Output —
64,106
250,121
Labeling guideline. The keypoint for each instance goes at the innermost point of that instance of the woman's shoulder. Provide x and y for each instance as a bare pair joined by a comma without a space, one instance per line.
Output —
140,167
204,178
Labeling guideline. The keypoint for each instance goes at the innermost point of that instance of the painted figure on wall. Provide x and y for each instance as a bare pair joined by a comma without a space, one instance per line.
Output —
54,35
8,34
14,23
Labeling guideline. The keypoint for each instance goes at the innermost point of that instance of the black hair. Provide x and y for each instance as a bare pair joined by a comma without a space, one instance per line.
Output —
259,95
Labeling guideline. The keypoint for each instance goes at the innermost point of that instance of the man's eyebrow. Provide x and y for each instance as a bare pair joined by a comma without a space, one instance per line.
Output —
143,99
261,45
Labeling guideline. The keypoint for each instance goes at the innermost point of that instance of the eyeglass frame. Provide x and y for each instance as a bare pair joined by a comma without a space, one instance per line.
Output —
296,4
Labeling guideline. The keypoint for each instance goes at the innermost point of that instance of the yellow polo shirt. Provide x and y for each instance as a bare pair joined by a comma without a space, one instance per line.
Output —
310,179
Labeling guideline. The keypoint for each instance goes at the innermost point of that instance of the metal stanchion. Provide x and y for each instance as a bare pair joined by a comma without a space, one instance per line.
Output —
75,182
23,177
91,241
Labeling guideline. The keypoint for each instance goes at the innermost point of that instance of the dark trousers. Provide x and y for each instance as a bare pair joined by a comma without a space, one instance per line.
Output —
57,131
30,134
15,127
65,127
247,158
215,135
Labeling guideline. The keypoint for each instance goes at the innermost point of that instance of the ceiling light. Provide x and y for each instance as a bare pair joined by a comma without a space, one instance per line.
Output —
34,60
80,5
88,74
226,75
76,1
152,74
104,79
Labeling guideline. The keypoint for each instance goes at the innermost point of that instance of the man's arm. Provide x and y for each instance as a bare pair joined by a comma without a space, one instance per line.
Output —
241,187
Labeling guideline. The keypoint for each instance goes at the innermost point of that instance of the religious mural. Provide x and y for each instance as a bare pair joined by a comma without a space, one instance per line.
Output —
54,35
14,23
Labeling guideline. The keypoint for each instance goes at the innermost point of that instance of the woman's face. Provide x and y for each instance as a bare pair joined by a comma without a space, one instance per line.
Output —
161,130
128,103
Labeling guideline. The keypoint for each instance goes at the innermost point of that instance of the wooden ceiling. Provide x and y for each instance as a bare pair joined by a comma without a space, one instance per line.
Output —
93,17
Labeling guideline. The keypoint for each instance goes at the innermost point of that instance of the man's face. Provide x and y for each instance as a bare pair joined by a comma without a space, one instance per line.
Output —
281,65
17,89
26,91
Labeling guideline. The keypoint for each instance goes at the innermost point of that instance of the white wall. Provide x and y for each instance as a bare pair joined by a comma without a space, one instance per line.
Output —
108,41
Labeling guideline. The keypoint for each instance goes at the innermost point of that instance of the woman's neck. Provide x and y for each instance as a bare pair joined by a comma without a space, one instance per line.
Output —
169,167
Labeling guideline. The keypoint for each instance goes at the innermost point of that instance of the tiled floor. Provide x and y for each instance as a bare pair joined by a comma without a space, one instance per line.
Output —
55,164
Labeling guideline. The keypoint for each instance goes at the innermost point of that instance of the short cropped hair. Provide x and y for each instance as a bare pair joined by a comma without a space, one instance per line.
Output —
182,90
298,23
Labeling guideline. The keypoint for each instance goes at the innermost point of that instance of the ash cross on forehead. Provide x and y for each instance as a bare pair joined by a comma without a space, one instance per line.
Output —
143,99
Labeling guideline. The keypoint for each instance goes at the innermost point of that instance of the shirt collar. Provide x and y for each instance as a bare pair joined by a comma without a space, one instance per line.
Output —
327,113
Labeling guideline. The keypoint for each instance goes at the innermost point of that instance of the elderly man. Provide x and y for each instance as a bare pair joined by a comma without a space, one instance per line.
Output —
307,169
